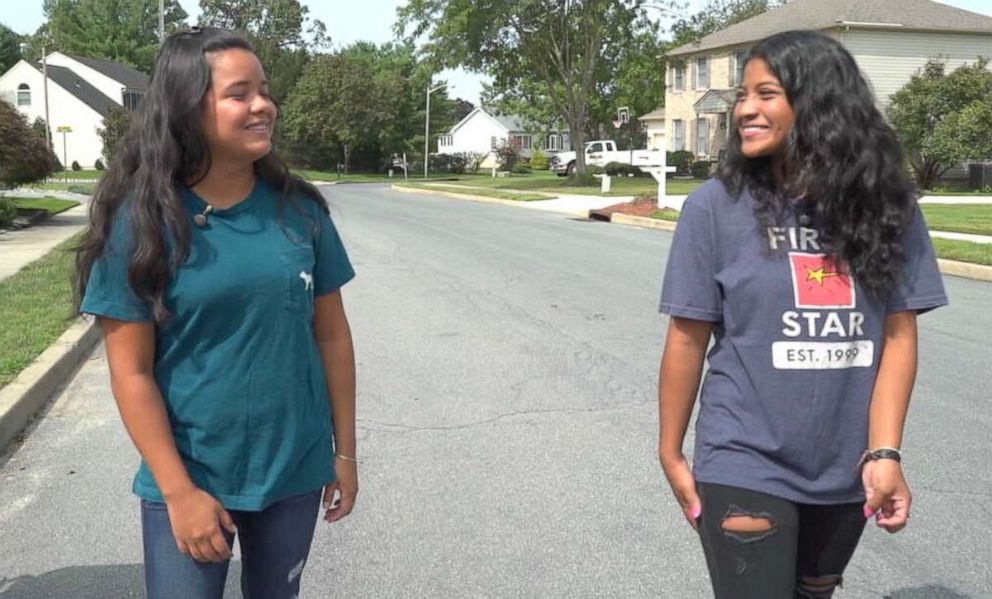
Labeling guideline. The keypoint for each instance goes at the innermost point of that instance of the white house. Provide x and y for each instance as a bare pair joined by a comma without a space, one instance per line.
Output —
891,40
483,132
654,127
81,92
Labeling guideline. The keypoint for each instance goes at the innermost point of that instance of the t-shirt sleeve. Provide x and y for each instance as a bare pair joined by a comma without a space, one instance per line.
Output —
108,292
690,289
332,269
920,287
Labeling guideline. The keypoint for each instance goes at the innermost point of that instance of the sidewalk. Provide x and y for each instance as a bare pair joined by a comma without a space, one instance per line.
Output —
22,247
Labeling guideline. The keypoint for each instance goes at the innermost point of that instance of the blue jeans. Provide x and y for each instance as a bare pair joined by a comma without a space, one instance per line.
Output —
274,543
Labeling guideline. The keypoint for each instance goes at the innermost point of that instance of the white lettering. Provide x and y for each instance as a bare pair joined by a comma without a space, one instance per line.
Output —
855,320
775,234
808,239
832,326
791,321
811,319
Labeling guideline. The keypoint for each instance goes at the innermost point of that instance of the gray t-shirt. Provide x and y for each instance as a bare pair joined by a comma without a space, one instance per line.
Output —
784,404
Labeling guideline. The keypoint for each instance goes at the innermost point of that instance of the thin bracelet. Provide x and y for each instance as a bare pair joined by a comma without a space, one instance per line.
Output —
346,458
880,453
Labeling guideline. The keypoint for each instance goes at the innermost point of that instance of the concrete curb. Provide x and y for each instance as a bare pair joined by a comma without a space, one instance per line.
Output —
27,394
642,221
978,272
458,196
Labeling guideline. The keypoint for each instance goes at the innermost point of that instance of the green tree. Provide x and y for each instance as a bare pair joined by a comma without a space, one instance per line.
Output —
10,48
559,47
944,119
280,30
717,15
115,125
336,103
124,31
23,155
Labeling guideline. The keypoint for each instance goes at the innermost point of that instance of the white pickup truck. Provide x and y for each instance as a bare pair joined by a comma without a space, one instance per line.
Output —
603,152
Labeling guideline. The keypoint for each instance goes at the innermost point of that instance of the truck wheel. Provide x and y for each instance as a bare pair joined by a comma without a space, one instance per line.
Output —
571,169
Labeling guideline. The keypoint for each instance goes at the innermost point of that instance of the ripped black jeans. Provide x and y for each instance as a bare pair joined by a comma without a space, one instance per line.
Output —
778,549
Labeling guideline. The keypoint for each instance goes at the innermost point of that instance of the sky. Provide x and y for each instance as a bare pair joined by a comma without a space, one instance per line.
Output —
349,21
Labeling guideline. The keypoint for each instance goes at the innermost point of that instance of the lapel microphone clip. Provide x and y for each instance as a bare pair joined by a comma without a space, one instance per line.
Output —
201,220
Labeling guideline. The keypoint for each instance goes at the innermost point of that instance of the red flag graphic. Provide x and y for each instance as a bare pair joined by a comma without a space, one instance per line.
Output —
819,282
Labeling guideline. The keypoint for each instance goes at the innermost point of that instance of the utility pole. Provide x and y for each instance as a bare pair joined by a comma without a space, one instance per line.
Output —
161,21
44,93
427,125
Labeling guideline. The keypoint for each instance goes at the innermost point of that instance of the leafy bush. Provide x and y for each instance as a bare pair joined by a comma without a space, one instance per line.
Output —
7,212
539,161
75,166
619,169
449,163
99,165
115,125
473,160
23,155
507,155
592,169
681,160
701,169
520,168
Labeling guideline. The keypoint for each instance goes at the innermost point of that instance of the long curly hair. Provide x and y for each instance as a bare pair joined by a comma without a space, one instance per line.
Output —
841,157
163,150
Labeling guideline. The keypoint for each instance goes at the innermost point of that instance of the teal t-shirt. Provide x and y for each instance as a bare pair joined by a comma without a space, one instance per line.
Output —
236,362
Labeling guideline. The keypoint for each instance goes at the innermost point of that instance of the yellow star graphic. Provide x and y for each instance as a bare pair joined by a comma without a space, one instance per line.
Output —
818,275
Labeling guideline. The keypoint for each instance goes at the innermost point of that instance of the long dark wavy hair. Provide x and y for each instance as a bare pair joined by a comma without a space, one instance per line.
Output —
164,150
841,157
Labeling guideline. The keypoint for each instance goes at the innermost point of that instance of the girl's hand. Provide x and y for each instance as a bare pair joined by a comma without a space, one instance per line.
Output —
347,485
887,494
198,524
683,485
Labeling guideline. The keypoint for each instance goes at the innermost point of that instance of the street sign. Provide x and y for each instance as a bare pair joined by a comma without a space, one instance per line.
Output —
64,129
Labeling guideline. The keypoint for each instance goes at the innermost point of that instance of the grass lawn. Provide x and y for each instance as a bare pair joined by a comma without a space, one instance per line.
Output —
548,182
666,214
84,188
52,205
961,218
89,175
965,251
35,309
489,193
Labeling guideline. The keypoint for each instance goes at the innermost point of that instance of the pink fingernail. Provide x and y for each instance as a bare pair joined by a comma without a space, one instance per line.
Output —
696,512
869,512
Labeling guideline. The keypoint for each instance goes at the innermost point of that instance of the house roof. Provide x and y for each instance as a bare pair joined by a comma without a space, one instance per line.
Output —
917,15
131,78
78,87
511,123
716,101
654,115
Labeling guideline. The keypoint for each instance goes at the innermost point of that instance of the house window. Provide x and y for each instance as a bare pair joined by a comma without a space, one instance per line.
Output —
492,143
678,78
445,140
702,136
23,95
740,57
521,142
552,142
678,135
702,73
132,99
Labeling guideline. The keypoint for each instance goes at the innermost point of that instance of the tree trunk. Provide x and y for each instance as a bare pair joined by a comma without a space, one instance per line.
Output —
347,157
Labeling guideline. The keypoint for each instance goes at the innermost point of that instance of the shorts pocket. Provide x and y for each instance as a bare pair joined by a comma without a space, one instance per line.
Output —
298,265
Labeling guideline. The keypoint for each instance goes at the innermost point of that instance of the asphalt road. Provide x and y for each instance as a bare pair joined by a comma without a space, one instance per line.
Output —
507,365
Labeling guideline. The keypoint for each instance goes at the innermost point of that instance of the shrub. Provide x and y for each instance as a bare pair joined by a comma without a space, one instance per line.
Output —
681,160
619,169
75,166
23,155
701,169
585,179
473,160
539,161
115,125
520,169
507,155
99,165
7,212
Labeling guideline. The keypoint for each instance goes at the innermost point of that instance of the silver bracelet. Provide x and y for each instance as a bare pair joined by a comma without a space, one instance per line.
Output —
346,458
